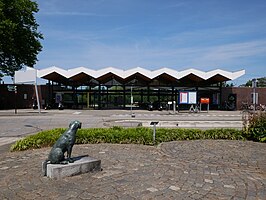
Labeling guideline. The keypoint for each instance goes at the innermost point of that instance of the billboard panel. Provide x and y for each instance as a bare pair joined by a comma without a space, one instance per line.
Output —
25,76
183,97
192,97
188,97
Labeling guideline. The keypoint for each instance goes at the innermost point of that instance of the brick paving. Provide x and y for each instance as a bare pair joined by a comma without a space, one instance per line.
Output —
201,169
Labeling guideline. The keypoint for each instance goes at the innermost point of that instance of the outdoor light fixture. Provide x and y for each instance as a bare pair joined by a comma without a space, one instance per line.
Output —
254,85
154,123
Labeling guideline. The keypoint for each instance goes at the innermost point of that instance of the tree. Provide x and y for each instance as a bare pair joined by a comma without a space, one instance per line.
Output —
19,37
225,84
261,82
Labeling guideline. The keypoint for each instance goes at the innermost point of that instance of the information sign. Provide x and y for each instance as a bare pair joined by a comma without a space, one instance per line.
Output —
188,97
204,100
192,97
183,99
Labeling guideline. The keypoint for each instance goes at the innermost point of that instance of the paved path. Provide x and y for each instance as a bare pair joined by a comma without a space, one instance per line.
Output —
208,169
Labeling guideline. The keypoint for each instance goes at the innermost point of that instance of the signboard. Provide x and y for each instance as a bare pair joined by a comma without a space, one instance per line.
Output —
255,98
192,98
26,76
188,97
204,100
12,88
183,98
58,97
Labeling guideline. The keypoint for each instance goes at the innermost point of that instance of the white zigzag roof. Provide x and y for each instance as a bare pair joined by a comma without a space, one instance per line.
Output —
145,72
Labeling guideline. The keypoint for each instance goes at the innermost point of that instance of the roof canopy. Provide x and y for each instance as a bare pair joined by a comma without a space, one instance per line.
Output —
85,76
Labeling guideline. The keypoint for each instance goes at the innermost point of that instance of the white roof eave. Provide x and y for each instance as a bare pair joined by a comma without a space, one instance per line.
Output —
145,72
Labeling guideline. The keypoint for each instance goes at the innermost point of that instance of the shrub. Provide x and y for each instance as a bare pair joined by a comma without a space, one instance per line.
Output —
119,135
255,127
41,139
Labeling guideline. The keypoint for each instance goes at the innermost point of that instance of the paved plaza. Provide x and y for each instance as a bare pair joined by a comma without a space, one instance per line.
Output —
199,169
206,169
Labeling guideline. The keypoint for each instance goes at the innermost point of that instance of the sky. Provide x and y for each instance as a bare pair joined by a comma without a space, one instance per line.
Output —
178,34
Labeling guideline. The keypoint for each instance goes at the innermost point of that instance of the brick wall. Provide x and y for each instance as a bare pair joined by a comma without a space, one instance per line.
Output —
26,95
24,98
243,94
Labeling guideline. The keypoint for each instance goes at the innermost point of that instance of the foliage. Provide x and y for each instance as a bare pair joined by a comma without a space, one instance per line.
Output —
121,135
19,38
261,82
255,127
226,84
41,139
115,135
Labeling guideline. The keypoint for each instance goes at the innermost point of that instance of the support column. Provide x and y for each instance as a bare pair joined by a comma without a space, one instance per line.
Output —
124,96
148,93
141,95
52,97
49,93
173,93
197,90
158,96
107,98
99,97
220,97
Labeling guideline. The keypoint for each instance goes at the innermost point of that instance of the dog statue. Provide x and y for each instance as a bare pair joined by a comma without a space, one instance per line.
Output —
63,144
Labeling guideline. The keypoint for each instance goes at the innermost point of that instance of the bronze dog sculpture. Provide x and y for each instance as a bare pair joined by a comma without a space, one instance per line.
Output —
63,144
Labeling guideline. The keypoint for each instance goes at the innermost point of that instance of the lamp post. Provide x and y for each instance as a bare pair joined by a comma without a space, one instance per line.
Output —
254,85
154,123
15,92
131,102
134,81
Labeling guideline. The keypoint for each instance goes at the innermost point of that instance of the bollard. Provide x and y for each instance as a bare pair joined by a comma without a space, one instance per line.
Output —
174,106
154,130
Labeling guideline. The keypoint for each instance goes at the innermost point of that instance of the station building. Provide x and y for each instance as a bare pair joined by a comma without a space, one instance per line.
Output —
112,88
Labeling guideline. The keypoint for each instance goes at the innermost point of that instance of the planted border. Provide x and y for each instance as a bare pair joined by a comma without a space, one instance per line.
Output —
119,135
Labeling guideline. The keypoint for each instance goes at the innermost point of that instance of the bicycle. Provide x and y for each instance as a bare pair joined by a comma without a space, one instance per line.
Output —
194,109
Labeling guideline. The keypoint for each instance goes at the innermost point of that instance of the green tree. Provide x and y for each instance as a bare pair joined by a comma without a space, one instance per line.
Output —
19,37
261,82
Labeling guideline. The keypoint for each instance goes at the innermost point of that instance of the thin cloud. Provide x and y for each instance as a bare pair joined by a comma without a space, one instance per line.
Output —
217,55
175,5
64,13
187,34
70,8
235,51
216,34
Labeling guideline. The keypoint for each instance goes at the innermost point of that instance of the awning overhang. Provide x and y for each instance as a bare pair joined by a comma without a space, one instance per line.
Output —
82,75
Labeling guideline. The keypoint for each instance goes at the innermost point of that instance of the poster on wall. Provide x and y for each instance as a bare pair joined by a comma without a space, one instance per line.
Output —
188,97
58,97
192,98
183,98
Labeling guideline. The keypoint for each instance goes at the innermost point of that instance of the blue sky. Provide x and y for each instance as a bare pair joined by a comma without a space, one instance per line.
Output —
178,34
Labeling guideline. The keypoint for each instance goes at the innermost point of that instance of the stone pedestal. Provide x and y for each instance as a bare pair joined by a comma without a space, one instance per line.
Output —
81,165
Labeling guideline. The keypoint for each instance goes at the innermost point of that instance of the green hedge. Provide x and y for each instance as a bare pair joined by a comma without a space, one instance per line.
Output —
39,140
121,135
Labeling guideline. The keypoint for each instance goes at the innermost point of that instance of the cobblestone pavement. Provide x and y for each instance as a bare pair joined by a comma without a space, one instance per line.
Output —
208,169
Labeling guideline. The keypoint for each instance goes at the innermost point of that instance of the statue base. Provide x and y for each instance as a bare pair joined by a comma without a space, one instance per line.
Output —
81,165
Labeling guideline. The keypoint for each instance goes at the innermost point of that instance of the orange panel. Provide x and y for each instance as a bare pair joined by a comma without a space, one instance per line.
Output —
204,100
